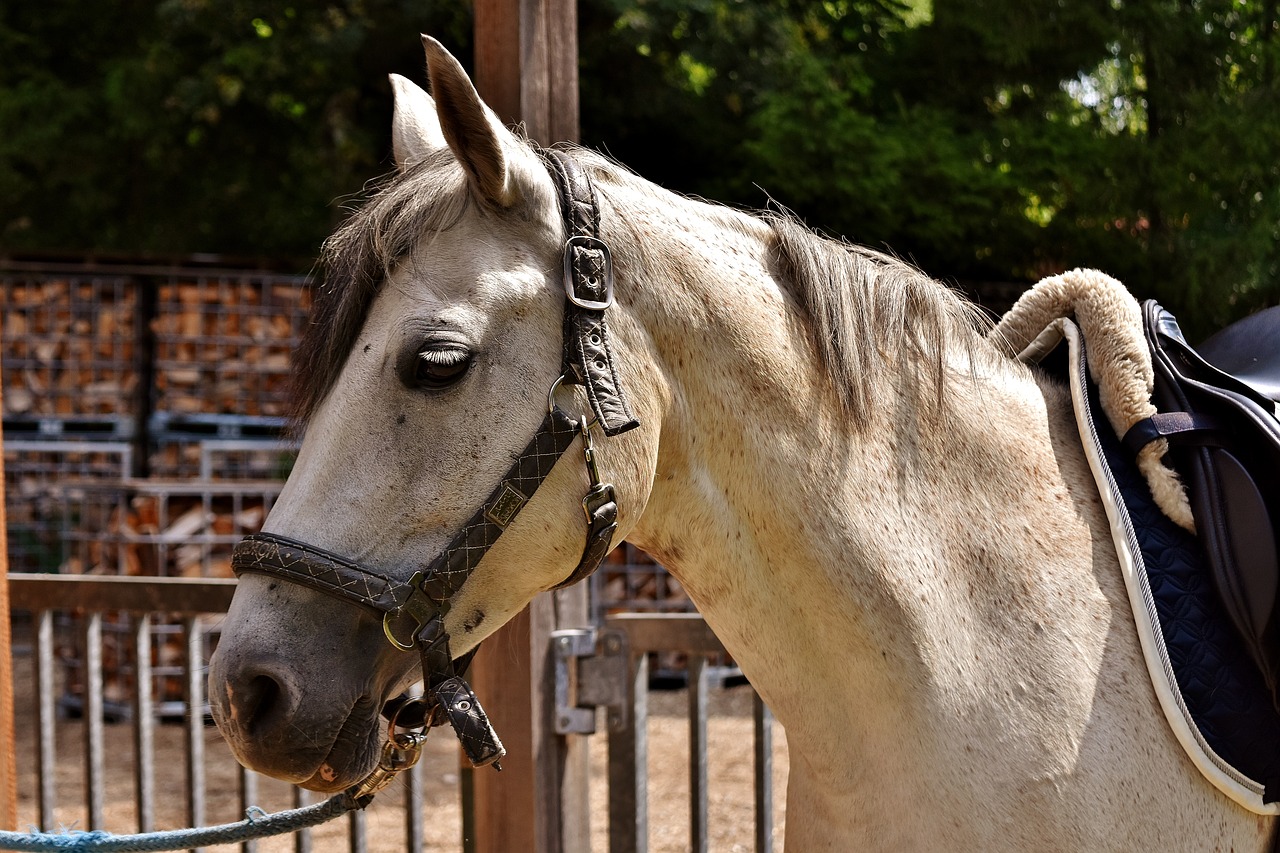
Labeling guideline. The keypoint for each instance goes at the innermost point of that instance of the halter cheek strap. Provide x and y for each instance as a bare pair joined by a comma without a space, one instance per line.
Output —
413,613
588,284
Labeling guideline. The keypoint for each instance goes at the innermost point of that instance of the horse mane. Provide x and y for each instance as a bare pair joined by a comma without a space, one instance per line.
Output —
869,314
873,316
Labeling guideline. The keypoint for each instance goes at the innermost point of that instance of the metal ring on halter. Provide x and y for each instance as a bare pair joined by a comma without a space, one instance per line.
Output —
551,395
419,618
392,723
391,634
551,403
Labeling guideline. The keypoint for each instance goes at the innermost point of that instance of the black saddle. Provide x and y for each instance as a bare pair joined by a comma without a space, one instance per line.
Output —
1217,406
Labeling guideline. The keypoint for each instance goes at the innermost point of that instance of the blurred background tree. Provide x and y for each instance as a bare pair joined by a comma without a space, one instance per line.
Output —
180,126
982,139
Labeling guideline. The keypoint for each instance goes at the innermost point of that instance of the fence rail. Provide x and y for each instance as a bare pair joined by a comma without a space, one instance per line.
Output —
197,603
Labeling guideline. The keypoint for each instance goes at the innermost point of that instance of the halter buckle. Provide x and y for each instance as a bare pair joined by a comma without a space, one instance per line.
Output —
415,609
581,247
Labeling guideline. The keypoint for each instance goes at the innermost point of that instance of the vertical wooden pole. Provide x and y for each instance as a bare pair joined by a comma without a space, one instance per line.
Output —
8,738
527,71
526,55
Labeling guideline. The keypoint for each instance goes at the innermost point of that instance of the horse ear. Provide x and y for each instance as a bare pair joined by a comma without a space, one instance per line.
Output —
485,148
415,128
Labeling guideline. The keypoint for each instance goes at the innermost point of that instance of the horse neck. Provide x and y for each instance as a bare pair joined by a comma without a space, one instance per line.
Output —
801,537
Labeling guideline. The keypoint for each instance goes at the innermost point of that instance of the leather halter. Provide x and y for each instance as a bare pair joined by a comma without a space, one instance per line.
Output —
413,612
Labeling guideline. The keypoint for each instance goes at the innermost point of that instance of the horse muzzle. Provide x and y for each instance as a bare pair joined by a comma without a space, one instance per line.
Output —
298,708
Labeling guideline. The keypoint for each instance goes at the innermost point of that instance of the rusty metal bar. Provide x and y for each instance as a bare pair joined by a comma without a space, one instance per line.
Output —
414,801
356,824
144,725
248,798
697,678
763,719
194,664
301,840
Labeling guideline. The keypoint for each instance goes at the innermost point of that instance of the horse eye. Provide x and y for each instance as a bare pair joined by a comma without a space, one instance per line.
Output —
437,369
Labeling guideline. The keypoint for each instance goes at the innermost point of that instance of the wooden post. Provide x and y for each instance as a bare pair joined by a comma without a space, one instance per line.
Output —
527,64
527,71
8,738
539,802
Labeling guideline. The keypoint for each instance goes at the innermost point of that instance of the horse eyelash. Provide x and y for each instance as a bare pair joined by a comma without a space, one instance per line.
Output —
444,357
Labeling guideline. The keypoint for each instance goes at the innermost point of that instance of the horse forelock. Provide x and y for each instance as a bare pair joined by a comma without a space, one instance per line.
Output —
358,257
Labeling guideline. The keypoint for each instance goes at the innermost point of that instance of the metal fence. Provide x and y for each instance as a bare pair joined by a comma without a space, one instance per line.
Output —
118,746
637,638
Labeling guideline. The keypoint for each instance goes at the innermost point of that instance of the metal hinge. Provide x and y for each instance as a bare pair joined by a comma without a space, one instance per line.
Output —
591,671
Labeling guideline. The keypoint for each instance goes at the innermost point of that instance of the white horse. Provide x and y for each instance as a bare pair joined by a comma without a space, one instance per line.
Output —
887,520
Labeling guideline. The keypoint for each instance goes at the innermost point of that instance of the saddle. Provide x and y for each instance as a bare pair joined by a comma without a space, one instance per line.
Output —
1217,406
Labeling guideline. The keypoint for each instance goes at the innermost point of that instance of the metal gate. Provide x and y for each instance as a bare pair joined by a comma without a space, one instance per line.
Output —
125,631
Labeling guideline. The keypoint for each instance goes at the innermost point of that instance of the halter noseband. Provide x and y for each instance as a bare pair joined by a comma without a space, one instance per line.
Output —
413,612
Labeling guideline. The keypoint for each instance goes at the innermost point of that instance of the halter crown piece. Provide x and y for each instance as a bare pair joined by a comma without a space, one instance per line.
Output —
413,612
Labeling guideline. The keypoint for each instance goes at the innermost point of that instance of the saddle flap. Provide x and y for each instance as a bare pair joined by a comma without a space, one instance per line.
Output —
1241,531
1232,471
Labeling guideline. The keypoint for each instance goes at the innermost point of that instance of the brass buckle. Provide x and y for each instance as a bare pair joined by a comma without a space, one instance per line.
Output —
410,609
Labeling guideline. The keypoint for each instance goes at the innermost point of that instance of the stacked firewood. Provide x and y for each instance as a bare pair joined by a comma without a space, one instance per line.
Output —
171,535
224,346
69,347
77,347
168,536
631,580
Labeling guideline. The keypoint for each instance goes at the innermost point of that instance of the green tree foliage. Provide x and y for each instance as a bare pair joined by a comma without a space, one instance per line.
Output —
984,139
228,126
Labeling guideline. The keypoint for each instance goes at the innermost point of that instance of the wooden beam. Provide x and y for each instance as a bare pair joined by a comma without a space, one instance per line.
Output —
527,65
497,52
667,632
527,71
187,596
8,738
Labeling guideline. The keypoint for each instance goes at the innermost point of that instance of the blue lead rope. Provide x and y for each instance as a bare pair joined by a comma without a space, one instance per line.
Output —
255,825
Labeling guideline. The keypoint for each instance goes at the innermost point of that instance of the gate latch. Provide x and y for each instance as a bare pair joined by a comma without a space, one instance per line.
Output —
591,671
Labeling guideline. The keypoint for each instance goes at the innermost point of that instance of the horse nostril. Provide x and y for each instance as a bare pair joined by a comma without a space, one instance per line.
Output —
256,701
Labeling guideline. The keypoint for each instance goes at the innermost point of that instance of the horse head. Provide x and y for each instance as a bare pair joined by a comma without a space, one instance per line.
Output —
434,354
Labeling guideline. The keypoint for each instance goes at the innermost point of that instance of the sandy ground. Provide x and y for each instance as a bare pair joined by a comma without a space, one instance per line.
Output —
730,804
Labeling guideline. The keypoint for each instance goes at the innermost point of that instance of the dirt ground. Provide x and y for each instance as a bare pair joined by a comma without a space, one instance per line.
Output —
730,805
